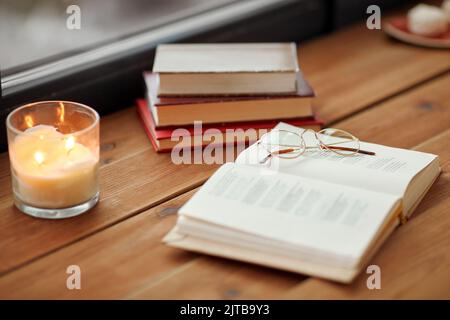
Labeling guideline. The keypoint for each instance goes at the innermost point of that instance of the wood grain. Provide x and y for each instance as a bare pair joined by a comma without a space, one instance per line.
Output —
387,124
118,244
406,120
120,133
157,271
356,68
128,260
113,262
132,178
415,261
122,136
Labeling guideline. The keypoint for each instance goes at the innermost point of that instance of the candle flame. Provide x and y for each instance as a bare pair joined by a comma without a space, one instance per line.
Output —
39,157
61,112
29,121
70,143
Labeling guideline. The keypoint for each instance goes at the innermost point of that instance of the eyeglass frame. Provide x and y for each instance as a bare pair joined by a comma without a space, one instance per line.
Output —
304,147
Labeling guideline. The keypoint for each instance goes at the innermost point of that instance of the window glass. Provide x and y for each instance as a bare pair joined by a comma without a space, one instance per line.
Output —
33,32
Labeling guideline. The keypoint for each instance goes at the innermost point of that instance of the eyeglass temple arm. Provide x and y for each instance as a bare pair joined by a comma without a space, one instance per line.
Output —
282,151
370,153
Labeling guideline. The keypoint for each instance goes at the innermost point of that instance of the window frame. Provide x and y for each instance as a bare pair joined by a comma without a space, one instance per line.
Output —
109,77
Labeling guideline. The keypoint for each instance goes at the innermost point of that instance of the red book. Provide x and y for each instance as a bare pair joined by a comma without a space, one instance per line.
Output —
170,111
191,136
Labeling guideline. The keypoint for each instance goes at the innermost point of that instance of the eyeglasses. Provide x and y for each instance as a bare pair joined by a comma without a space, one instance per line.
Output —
288,145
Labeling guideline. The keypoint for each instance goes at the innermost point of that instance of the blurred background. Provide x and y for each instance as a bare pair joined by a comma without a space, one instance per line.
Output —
36,31
101,63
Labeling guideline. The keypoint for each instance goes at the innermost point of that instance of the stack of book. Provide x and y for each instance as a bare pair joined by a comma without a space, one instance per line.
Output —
228,87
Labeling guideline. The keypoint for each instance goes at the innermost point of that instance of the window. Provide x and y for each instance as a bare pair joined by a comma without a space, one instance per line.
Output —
35,32
101,64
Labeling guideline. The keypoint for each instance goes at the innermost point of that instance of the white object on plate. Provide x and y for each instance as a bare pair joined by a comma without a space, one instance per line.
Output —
446,8
427,20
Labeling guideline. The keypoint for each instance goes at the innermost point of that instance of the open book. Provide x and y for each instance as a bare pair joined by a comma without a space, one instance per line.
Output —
320,214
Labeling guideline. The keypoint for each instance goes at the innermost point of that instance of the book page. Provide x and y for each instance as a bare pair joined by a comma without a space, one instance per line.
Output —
389,171
226,57
326,219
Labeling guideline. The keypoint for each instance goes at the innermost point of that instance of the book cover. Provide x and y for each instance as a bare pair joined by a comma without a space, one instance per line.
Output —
226,58
156,134
304,90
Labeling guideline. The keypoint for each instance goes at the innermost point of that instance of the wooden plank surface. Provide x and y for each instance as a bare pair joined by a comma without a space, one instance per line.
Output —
405,120
128,188
415,261
104,259
404,107
118,257
401,87
161,272
132,178
356,68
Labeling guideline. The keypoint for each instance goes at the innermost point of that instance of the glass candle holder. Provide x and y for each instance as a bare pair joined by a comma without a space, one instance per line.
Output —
54,155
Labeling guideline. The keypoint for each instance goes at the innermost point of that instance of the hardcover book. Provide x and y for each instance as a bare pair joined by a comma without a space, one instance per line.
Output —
161,138
319,214
169,111
226,69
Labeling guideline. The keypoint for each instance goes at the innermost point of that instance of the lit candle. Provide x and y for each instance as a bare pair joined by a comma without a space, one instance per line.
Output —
53,170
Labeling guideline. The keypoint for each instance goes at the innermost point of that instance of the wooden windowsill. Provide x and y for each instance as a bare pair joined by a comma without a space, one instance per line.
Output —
381,90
